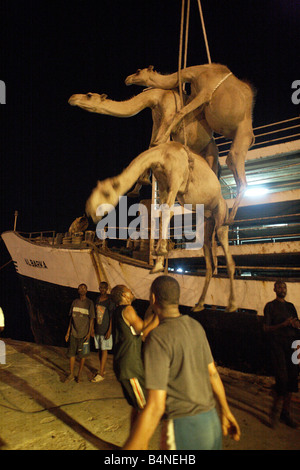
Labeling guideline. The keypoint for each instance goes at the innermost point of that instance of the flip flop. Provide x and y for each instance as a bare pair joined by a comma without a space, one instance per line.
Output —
97,378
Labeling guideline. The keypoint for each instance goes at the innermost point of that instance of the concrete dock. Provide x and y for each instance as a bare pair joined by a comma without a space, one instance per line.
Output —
38,411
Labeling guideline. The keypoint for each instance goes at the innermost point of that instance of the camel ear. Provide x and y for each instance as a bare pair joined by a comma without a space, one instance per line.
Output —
103,96
150,68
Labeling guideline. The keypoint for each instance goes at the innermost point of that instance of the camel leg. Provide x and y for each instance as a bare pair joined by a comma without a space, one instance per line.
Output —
236,162
157,138
211,155
136,191
161,250
143,180
164,222
222,233
202,98
162,246
159,265
159,135
209,262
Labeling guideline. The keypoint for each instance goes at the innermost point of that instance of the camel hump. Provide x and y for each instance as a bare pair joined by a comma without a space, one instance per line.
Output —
214,69
219,68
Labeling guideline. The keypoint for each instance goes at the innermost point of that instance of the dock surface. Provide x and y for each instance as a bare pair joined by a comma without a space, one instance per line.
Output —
38,411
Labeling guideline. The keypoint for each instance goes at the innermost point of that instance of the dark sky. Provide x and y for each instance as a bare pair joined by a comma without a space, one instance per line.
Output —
52,153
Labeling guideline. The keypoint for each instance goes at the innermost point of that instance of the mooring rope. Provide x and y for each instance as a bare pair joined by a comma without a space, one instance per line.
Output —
6,264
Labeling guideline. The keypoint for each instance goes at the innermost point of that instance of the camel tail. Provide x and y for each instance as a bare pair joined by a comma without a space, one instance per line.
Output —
253,91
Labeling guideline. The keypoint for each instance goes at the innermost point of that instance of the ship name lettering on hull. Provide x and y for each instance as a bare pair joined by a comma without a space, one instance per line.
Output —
36,263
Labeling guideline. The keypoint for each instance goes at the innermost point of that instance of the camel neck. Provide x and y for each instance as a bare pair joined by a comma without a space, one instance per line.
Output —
124,108
166,82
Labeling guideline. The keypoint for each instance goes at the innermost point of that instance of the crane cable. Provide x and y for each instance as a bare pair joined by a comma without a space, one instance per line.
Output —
204,32
182,85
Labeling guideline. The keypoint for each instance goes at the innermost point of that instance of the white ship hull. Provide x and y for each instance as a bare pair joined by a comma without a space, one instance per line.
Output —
50,276
68,267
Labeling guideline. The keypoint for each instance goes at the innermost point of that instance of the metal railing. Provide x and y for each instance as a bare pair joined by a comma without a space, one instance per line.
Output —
261,138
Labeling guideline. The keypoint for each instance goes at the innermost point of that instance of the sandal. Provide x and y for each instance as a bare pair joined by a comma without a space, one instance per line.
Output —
70,378
97,378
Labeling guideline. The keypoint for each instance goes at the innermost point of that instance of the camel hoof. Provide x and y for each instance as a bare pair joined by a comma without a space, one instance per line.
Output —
229,221
198,308
231,308
157,269
161,253
144,181
133,194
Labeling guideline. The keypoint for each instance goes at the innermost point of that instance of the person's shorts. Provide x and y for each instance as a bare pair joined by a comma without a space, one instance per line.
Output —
77,347
102,343
199,432
134,392
285,371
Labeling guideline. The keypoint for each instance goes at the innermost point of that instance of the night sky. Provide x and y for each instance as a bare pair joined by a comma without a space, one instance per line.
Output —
51,153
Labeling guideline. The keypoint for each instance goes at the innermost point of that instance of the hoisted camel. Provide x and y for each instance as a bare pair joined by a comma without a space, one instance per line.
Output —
184,175
226,103
164,105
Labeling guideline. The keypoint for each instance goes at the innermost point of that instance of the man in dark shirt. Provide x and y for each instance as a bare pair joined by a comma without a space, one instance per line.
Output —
181,380
102,331
82,315
127,349
282,325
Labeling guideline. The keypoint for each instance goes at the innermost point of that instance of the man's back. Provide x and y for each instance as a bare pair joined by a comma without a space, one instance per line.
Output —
177,355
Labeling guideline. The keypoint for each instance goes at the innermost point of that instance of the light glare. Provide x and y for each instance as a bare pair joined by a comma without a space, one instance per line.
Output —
253,192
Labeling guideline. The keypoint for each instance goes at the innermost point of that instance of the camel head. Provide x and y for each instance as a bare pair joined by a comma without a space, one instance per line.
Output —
141,77
79,225
90,101
106,194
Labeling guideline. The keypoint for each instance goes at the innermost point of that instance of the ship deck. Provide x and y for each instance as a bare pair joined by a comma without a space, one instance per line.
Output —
40,412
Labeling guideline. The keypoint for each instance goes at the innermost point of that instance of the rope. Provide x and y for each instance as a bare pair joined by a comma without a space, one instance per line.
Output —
204,32
220,83
6,264
186,34
182,86
180,62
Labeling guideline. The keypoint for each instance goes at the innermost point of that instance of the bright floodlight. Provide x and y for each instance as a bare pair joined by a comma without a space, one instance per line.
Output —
253,192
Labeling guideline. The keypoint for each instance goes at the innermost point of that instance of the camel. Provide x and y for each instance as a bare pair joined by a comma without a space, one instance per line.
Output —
79,225
164,105
227,104
184,175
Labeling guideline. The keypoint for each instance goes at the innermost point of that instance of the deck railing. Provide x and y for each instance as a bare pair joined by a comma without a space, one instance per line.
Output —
276,132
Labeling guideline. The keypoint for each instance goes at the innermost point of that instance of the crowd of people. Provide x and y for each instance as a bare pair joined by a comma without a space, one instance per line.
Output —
165,366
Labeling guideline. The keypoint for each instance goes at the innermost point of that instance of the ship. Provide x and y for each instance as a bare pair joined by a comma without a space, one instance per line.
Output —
264,241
